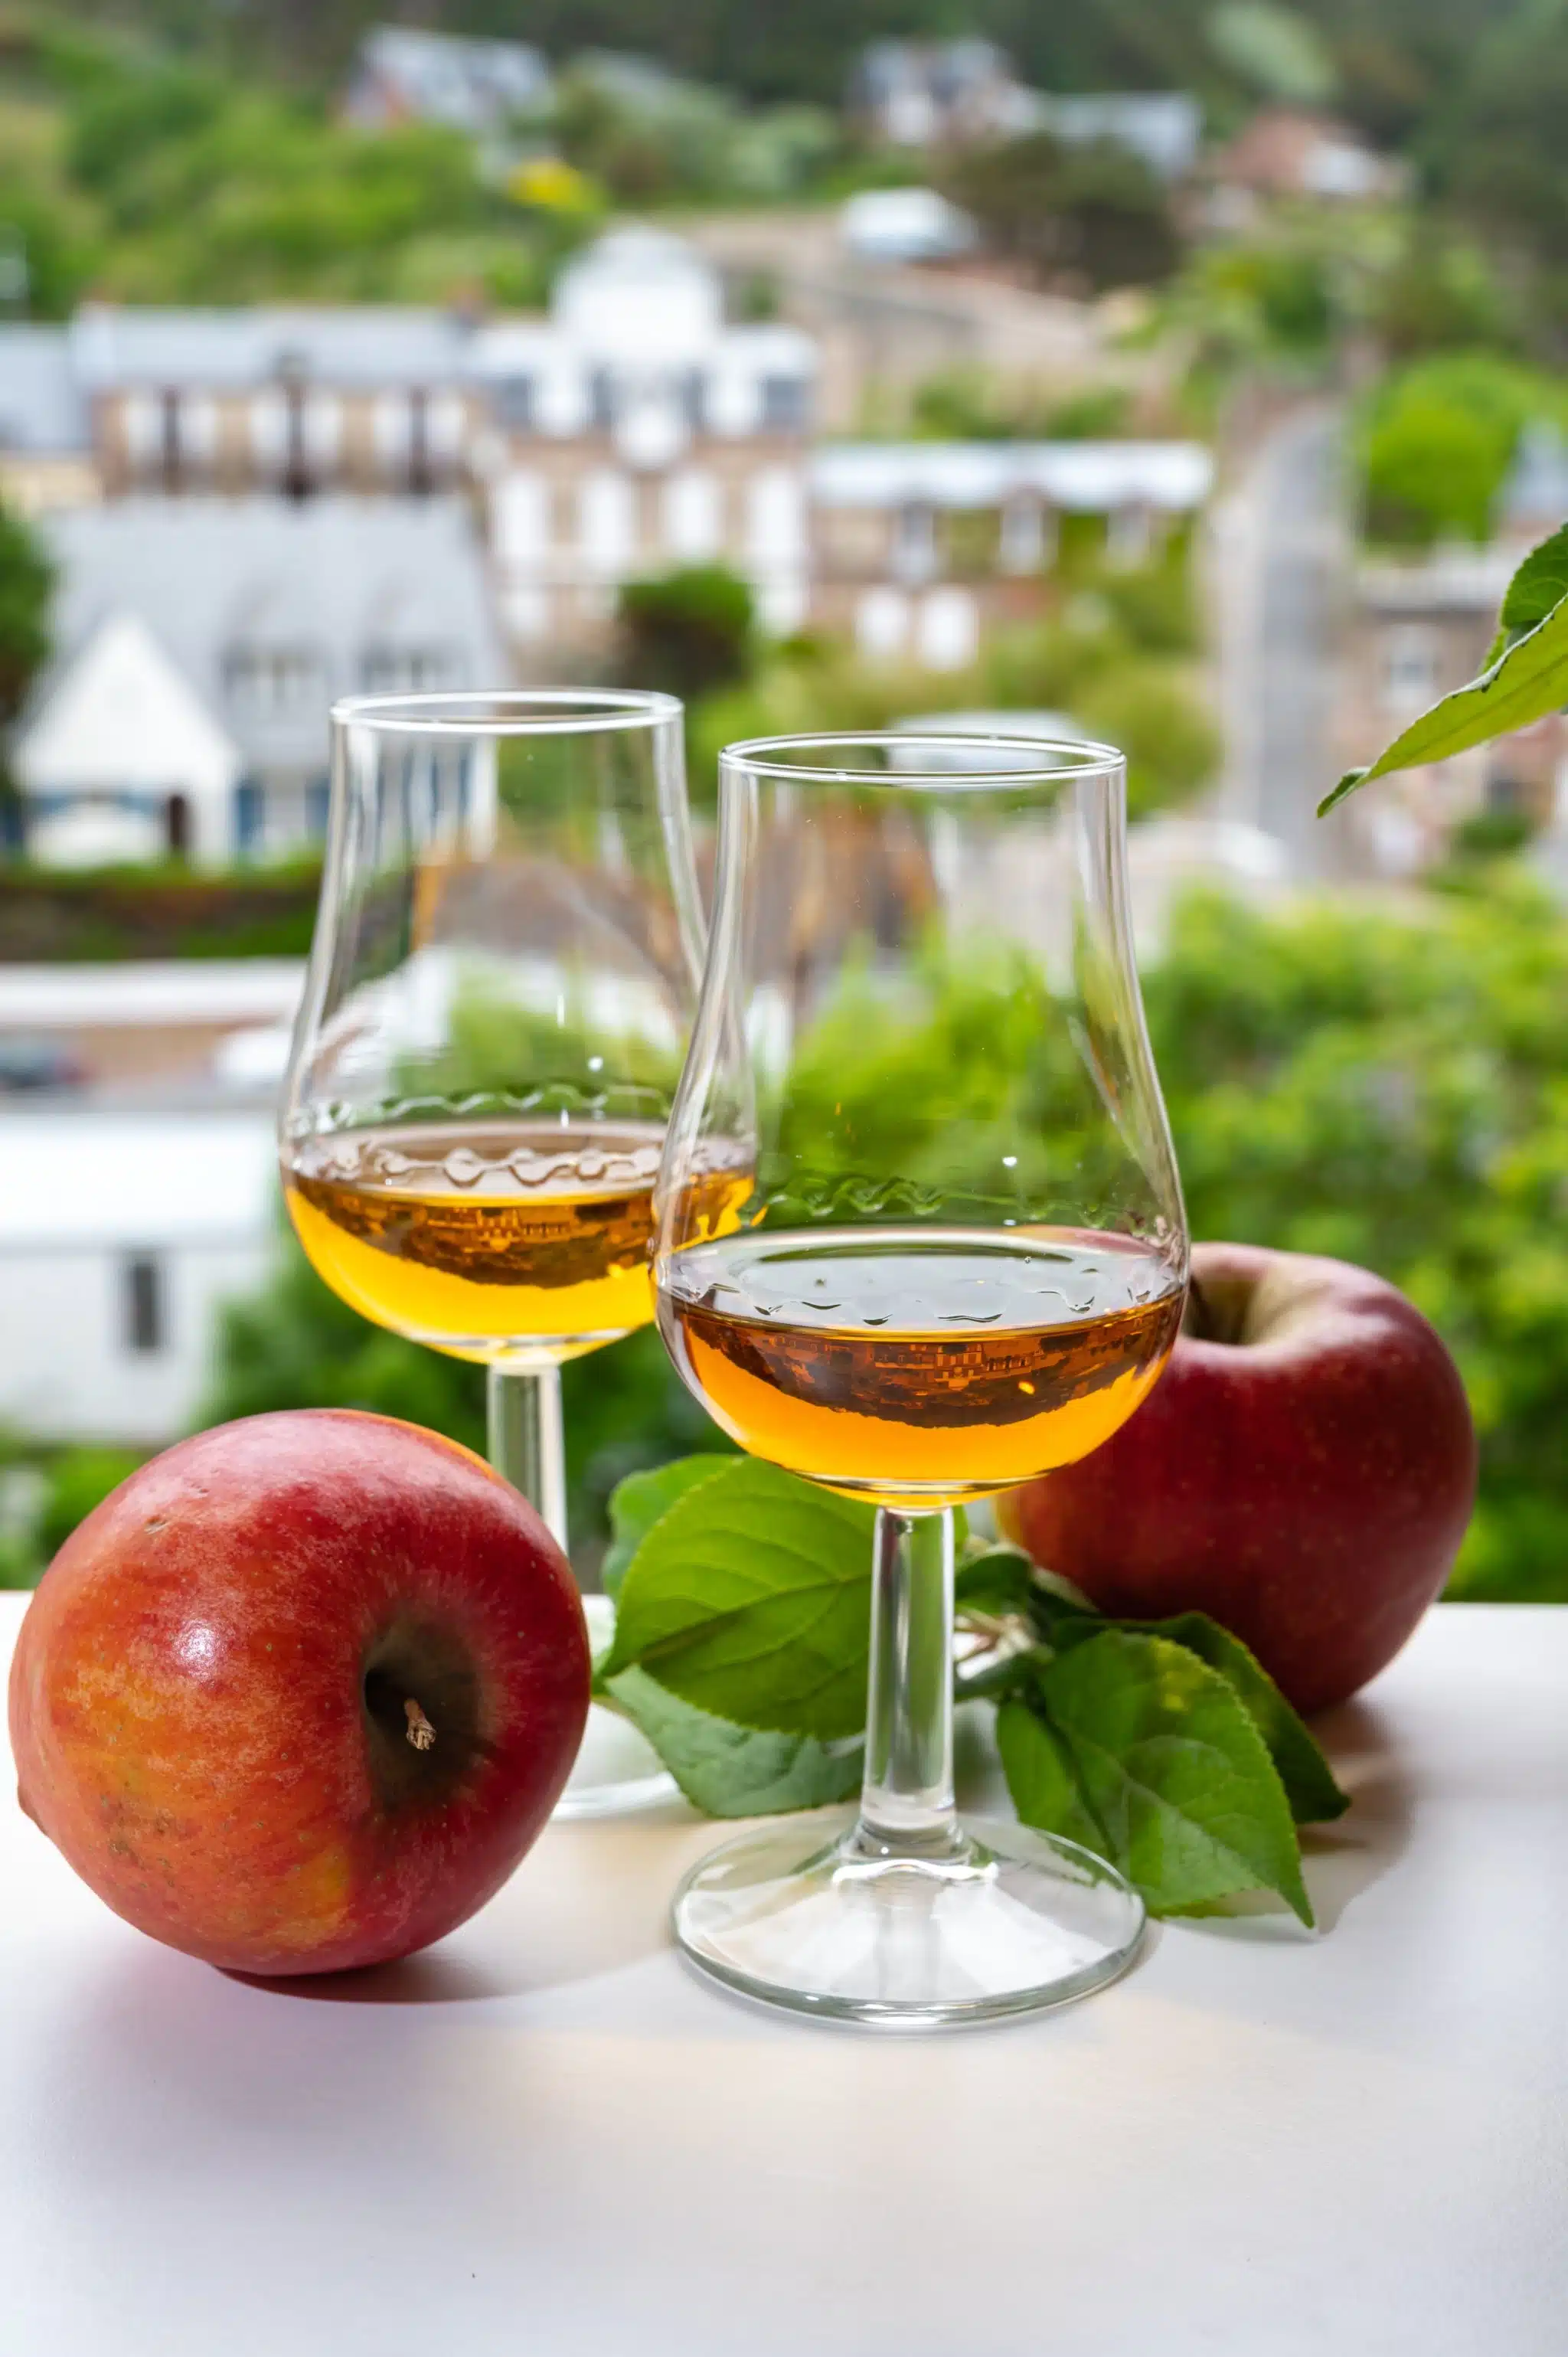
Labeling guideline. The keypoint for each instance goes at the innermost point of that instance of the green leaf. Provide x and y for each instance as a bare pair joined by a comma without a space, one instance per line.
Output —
750,1597
999,1582
1528,680
1540,583
1309,1783
731,1771
1041,1776
1169,1762
638,1502
1314,1797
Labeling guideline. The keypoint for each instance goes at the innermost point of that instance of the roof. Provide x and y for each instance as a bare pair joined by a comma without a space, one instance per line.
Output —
347,346
178,1179
472,85
1162,126
123,718
41,403
1090,476
330,578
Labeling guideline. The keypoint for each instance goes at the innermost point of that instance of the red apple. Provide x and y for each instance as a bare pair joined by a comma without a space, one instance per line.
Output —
1304,1472
301,1693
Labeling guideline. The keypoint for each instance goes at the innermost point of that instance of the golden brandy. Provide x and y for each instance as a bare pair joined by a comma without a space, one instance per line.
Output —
919,1365
499,1240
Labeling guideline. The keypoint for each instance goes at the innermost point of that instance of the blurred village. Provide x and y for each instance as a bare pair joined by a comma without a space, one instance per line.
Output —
1207,420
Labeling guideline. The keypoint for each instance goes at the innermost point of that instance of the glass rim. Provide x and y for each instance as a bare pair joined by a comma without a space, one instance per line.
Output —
509,711
1075,759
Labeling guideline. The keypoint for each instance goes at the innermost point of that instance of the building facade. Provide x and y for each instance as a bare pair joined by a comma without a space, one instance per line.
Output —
202,643
296,401
1415,632
918,548
633,430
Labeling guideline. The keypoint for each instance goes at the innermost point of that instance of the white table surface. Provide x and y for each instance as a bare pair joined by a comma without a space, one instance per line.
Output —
547,2136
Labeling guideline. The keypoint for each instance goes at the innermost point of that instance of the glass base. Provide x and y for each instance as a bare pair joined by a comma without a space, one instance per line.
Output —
1009,1921
617,1770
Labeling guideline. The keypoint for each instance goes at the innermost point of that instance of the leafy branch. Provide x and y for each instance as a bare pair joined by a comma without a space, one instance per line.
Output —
743,1604
1526,676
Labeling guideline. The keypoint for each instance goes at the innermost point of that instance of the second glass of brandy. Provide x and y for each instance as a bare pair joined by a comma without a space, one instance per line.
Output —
498,1000
960,1260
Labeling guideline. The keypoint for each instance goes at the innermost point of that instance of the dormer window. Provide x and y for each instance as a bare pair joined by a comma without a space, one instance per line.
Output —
514,403
405,669
273,680
784,404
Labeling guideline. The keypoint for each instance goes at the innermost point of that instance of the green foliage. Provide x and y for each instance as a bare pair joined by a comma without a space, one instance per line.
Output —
294,1344
1393,1090
1443,294
78,1480
969,405
1389,1089
1094,213
688,631
27,591
1276,51
1436,440
741,1650
1117,660
1158,1764
51,915
750,1597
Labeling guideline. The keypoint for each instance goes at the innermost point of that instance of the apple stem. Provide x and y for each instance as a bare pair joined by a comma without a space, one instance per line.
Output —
421,1734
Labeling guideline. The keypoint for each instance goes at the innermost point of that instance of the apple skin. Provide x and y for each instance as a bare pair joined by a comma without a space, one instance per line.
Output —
207,1697
1307,1483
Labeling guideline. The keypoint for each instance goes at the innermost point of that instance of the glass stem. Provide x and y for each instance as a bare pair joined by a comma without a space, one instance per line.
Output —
907,1802
526,1440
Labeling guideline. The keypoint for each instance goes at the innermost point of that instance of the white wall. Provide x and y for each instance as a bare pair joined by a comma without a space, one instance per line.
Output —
67,1372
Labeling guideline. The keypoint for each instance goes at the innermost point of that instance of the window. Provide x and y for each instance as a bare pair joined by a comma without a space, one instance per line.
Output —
270,681
405,670
915,542
1410,669
694,516
784,404
607,522
882,624
513,399
948,629
143,1311
775,517
1022,547
601,401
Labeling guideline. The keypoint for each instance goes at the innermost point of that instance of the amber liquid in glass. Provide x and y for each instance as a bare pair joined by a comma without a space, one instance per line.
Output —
919,1365
488,1240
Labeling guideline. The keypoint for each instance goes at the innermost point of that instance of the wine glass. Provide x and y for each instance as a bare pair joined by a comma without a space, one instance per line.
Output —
960,1260
498,996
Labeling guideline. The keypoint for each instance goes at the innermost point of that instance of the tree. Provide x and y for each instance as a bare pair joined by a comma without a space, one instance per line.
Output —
294,1344
688,631
1436,440
26,589
1388,1089
1094,213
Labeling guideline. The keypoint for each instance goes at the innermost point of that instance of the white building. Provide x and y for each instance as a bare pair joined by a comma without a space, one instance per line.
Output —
897,225
635,429
403,74
918,547
200,644
122,1234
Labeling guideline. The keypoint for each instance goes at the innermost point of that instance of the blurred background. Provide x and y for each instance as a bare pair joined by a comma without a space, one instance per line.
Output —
1187,374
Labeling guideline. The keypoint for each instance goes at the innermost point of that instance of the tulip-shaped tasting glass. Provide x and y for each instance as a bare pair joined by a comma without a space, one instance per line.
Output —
499,997
960,1260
